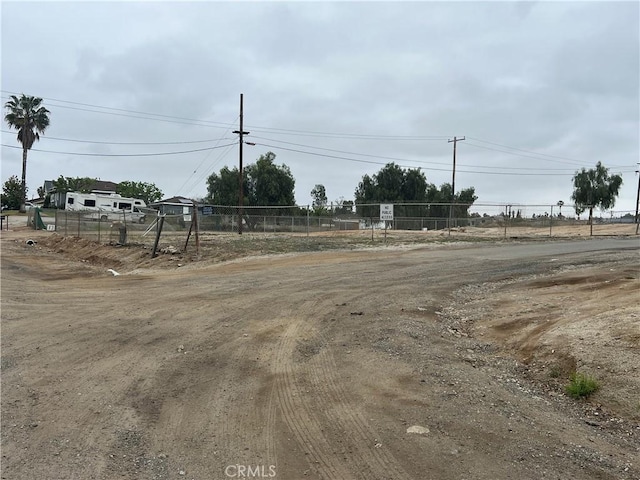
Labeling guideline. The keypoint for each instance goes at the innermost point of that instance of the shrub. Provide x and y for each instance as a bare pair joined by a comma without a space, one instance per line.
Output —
581,385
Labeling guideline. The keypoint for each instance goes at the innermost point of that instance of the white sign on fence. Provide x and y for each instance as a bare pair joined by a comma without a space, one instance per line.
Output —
386,211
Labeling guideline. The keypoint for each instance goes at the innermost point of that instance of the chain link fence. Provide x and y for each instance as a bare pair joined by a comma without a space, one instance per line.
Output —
460,221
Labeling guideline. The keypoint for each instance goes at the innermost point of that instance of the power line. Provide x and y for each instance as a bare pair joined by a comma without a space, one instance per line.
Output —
199,123
206,172
281,131
346,135
407,166
526,151
121,154
579,164
98,142
401,159
190,121
123,110
571,161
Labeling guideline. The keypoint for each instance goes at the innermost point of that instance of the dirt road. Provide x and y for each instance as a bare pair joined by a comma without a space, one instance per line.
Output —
317,365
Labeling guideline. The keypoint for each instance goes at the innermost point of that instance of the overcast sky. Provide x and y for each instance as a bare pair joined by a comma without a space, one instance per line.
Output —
335,90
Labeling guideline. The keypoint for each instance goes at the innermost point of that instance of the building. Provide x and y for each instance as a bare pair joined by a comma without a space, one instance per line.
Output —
174,206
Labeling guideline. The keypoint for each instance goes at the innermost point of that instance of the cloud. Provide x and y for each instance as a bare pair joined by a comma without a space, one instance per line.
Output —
558,78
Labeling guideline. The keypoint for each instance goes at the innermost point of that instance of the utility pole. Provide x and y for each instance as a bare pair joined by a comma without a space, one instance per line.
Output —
240,133
638,201
453,180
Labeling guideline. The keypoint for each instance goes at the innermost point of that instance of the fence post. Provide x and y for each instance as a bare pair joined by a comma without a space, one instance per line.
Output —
195,217
78,220
550,220
505,221
155,244
307,220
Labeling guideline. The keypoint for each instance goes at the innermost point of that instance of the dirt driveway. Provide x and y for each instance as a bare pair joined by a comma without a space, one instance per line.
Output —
416,362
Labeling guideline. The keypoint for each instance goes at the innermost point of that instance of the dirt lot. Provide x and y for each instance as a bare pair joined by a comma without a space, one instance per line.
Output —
251,362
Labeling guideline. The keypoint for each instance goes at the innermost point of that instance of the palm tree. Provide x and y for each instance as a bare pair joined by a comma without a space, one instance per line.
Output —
30,119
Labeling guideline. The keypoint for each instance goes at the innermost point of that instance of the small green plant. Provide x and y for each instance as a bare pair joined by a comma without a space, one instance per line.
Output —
555,371
581,385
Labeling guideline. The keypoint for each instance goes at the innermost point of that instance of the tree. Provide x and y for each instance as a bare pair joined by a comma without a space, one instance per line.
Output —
264,184
269,184
319,196
343,206
28,116
142,190
595,188
392,184
463,201
74,184
222,187
12,196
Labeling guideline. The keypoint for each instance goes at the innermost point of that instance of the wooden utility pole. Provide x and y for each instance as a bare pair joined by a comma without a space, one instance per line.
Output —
453,180
638,201
240,133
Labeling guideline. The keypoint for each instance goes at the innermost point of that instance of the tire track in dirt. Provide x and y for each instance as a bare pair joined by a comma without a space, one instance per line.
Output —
377,462
327,411
270,431
234,403
212,414
299,415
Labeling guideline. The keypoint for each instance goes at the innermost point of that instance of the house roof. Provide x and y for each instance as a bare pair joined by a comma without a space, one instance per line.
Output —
100,186
104,186
175,200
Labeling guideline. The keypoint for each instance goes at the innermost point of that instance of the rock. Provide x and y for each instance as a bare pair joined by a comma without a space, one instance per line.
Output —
418,429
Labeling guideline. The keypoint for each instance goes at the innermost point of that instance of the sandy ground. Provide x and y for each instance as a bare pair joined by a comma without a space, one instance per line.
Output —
399,361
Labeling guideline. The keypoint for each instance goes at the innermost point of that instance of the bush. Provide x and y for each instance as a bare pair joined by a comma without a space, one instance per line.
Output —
581,385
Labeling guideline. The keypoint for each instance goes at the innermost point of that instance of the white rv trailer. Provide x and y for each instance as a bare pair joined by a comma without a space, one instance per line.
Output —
106,206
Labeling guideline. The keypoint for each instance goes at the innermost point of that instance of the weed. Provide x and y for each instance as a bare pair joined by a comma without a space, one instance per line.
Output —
555,371
581,385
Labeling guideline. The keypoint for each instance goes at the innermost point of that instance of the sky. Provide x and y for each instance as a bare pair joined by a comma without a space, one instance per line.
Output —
538,90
